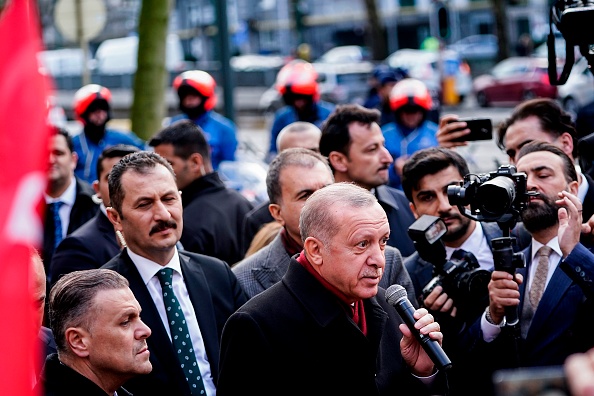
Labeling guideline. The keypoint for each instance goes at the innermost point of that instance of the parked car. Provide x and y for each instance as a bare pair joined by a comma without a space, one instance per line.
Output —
63,62
345,54
424,65
514,80
476,47
338,83
578,91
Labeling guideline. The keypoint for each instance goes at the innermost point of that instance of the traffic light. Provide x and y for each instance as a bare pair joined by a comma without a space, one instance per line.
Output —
443,22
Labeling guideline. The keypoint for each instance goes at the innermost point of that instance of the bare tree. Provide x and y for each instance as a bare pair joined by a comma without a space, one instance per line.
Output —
148,107
376,30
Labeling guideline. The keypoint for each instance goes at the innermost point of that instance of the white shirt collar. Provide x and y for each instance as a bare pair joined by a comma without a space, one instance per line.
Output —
553,244
68,196
583,188
148,269
472,243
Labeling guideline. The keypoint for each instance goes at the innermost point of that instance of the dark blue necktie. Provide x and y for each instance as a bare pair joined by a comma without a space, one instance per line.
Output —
180,335
55,208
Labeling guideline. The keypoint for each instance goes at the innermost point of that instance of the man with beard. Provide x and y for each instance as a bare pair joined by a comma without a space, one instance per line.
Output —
297,83
197,100
552,292
92,108
425,179
185,297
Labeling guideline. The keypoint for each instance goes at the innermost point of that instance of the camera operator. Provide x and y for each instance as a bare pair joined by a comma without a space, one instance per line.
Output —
541,120
426,176
551,293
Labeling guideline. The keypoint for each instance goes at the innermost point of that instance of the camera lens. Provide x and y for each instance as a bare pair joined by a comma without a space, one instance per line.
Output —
496,196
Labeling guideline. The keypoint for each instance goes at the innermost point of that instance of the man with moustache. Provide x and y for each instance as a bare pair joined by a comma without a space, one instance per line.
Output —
185,297
100,337
353,142
551,292
288,191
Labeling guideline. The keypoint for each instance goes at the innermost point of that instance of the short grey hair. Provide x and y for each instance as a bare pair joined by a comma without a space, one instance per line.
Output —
317,220
297,127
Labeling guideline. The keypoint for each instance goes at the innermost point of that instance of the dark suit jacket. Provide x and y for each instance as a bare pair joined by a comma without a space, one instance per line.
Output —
89,247
295,338
82,211
215,295
560,326
400,217
588,207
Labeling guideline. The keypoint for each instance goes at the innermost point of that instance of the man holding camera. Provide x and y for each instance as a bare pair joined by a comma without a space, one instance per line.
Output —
425,179
551,294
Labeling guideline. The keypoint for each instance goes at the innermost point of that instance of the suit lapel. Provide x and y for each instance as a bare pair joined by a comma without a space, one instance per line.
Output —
551,298
198,289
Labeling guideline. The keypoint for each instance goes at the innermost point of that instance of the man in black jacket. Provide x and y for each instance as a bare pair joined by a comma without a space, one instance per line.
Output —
100,337
213,213
326,328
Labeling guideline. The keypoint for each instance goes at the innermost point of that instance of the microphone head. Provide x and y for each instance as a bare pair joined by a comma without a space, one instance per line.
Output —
395,293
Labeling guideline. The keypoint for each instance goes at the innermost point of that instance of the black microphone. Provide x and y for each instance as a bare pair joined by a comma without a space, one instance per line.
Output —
396,297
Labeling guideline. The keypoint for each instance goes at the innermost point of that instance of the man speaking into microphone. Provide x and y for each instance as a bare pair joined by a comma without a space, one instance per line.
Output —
324,329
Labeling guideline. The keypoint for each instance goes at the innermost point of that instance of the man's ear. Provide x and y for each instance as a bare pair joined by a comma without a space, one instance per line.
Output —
313,249
73,160
96,188
573,187
196,162
115,218
275,211
338,161
413,208
77,340
566,141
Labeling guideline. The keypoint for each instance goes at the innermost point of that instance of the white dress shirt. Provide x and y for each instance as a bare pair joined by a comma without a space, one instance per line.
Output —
148,271
477,244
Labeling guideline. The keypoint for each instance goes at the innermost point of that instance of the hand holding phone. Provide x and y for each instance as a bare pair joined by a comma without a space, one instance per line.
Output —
480,129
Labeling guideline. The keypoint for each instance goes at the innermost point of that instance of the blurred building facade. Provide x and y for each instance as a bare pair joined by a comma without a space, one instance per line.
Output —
277,26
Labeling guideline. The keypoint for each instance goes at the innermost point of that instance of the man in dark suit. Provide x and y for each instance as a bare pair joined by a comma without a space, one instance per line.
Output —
213,213
100,337
68,199
328,312
353,142
539,119
95,243
288,189
553,292
200,291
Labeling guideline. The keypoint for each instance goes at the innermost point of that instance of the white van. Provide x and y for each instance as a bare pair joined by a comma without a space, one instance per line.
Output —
118,56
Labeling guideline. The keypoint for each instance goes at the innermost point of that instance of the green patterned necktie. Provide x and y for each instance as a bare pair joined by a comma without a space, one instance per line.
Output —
180,336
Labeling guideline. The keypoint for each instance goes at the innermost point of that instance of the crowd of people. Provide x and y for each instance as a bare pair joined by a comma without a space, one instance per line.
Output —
163,280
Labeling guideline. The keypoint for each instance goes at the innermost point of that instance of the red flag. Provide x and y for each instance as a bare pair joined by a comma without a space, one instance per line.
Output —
23,163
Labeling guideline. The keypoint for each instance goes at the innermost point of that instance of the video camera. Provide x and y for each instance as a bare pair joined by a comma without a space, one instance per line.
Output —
498,196
461,277
573,18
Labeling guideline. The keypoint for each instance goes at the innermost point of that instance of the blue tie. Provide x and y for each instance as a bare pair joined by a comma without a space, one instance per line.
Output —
55,208
180,336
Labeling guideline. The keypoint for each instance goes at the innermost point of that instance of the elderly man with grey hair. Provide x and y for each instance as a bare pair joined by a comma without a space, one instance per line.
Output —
326,327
